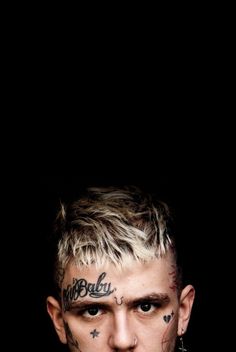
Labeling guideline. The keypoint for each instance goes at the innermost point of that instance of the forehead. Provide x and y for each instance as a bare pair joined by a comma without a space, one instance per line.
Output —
144,277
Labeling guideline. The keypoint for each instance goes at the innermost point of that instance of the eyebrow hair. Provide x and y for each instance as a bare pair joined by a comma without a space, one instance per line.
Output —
160,298
86,304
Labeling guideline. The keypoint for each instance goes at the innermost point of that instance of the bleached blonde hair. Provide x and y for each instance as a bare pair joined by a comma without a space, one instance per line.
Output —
112,225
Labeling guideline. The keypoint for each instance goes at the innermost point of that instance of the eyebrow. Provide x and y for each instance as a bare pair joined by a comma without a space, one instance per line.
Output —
87,303
158,298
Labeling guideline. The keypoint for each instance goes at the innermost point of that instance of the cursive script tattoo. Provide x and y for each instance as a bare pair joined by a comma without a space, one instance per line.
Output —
121,301
71,340
82,288
94,333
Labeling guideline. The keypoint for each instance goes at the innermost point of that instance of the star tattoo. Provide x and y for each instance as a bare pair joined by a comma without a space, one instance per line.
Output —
94,333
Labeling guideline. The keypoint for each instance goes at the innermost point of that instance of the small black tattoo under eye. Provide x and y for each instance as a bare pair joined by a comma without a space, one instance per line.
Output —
120,302
94,333
168,317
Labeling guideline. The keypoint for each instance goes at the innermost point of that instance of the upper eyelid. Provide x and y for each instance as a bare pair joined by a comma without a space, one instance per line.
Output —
90,306
152,302
152,305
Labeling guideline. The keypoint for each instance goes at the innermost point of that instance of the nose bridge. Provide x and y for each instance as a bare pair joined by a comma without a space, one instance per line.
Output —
122,336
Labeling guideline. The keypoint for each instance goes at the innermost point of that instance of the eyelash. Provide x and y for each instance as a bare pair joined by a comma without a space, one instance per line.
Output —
93,316
85,312
153,307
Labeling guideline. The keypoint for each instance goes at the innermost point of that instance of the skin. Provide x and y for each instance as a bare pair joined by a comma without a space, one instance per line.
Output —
139,311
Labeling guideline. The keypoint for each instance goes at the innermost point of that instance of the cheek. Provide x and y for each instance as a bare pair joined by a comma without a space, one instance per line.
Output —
159,337
89,336
169,336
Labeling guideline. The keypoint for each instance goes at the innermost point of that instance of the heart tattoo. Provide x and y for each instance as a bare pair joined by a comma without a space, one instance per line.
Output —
167,318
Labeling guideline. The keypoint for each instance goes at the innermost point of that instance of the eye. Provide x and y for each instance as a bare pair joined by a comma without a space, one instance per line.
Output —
92,312
145,307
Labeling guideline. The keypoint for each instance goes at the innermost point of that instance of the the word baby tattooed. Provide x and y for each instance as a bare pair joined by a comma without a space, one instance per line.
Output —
82,288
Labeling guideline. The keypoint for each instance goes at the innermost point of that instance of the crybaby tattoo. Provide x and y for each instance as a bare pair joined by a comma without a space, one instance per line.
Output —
71,339
82,288
94,333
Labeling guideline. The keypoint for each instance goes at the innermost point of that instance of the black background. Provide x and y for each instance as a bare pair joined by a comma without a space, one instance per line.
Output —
117,119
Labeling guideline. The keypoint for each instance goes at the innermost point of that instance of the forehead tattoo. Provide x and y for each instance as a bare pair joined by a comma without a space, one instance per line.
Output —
81,288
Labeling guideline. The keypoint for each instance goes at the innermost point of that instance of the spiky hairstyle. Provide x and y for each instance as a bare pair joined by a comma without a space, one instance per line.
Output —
112,225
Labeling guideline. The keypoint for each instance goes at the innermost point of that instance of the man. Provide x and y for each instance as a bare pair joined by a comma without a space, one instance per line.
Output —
116,270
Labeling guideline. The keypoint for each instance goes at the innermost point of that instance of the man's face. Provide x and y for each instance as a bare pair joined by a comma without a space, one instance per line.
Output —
136,309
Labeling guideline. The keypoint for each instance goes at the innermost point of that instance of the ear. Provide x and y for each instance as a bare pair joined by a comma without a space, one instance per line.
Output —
185,308
55,312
